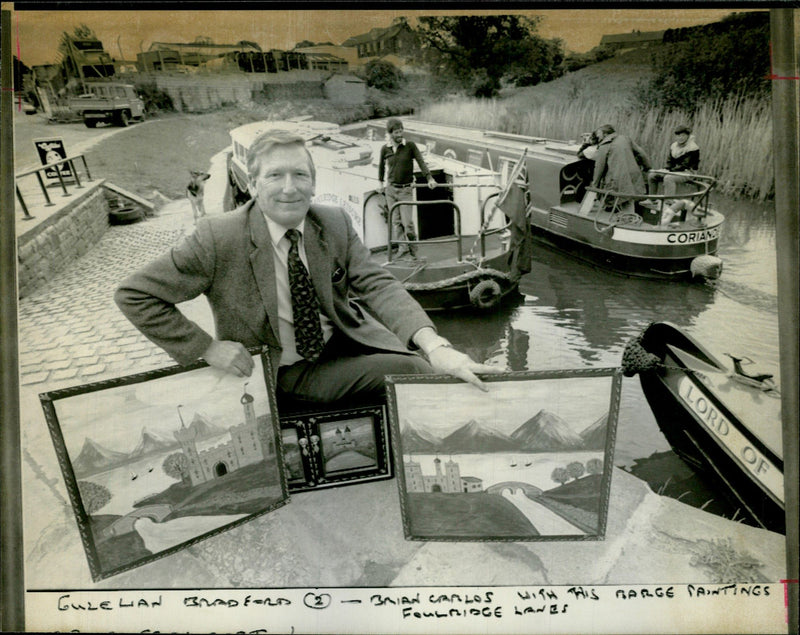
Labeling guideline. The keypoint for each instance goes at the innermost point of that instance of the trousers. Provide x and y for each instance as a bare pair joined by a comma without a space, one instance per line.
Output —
346,370
402,222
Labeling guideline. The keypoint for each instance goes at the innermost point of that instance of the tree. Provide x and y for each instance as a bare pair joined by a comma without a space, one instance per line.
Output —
94,496
575,469
594,466
176,466
560,475
383,75
480,51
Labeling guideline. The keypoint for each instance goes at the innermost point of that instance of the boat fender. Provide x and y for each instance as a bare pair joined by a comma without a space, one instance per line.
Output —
636,359
706,266
485,294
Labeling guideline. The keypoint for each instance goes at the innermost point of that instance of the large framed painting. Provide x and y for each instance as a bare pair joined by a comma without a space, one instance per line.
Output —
155,462
529,460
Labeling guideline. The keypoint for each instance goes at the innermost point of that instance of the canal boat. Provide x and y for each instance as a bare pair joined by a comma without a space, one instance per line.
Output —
648,236
718,417
464,248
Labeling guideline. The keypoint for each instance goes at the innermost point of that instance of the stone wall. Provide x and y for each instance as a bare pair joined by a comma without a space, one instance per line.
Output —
62,238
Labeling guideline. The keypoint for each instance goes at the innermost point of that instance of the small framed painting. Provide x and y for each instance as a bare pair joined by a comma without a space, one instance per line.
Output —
529,460
155,462
337,447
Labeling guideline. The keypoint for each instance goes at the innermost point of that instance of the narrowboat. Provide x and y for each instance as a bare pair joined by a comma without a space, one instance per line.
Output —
464,247
651,236
718,417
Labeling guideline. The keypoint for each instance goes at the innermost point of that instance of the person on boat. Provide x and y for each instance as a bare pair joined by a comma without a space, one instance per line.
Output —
683,157
282,272
396,166
588,147
618,165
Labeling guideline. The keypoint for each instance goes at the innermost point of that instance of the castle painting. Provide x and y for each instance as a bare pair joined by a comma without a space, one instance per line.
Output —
529,461
160,460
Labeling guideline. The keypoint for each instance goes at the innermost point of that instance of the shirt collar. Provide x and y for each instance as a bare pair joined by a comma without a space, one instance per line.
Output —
402,143
277,232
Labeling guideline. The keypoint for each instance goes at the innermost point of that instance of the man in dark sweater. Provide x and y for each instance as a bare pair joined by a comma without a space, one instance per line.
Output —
683,157
396,171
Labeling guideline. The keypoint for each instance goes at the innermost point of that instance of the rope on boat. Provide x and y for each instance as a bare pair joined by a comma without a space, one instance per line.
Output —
484,273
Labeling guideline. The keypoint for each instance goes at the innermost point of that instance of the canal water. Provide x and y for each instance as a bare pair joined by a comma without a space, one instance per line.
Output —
571,315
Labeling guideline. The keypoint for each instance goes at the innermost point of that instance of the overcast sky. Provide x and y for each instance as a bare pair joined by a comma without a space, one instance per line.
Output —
130,32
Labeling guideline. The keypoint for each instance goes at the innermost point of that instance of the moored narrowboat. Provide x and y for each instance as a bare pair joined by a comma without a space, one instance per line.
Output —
717,416
655,237
464,253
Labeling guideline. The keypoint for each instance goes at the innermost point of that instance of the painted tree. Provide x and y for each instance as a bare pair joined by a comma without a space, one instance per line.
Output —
177,466
575,469
93,495
594,466
560,475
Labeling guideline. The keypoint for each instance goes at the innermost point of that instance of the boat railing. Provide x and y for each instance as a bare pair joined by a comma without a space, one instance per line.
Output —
456,238
699,198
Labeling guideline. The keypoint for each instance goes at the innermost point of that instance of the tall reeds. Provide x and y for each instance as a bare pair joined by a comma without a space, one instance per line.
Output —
734,135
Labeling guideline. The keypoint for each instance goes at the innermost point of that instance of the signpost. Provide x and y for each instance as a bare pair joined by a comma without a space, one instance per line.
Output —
52,151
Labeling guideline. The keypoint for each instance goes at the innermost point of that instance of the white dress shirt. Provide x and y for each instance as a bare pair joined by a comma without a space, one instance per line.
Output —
280,251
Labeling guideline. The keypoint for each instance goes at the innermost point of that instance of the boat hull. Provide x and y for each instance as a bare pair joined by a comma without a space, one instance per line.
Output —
632,256
706,433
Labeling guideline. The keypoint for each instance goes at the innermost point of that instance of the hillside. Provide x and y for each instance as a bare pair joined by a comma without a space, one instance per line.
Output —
613,79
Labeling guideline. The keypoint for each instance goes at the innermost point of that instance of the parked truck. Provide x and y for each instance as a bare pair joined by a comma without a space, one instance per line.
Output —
110,102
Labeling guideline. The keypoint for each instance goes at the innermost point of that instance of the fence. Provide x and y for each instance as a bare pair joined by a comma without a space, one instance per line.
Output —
56,167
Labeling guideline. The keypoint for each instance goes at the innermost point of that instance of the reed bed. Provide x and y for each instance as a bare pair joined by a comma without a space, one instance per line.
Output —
734,135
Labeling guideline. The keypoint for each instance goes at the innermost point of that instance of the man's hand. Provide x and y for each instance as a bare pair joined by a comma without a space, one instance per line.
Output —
231,357
447,360
432,184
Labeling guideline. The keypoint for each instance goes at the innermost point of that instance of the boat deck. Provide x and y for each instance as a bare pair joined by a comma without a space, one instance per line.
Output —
760,409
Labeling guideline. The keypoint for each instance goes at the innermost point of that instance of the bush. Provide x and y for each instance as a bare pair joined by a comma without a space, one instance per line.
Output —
383,75
154,98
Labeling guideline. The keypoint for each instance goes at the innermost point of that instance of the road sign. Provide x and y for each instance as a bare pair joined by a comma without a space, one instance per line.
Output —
52,151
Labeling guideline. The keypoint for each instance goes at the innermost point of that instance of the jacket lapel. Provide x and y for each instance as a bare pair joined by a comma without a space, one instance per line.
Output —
319,263
263,265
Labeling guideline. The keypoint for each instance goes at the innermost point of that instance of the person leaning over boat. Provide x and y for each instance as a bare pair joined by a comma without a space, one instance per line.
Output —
618,165
332,337
396,165
683,157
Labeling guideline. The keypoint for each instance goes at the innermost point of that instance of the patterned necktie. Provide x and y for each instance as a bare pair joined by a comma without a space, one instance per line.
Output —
305,304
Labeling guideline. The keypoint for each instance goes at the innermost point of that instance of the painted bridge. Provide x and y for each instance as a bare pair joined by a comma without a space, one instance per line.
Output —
124,525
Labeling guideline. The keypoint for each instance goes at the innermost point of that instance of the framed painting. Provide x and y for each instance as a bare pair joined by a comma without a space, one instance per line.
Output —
529,460
156,461
341,447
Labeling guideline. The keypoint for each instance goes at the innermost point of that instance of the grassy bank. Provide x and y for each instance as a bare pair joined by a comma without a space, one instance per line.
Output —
735,135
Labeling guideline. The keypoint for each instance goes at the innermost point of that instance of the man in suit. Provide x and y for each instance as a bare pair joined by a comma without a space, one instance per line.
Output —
335,338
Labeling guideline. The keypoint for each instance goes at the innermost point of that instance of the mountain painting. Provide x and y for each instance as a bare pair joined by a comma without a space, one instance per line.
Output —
156,461
529,460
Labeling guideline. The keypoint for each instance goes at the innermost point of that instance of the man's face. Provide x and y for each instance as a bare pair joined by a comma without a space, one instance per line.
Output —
396,135
682,138
285,185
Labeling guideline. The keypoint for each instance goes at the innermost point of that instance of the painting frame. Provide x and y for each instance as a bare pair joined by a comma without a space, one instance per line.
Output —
251,446
325,436
414,485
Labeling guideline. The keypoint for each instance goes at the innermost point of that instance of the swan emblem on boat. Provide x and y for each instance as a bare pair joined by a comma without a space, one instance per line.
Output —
763,381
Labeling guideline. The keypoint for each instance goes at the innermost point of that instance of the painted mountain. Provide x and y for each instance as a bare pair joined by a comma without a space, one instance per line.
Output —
94,457
476,437
150,442
417,440
545,431
594,437
204,427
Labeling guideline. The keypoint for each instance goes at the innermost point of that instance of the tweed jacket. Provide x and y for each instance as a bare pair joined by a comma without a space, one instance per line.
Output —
229,258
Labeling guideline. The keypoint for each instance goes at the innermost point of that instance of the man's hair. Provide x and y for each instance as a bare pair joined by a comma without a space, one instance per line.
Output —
682,130
607,129
393,124
264,144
